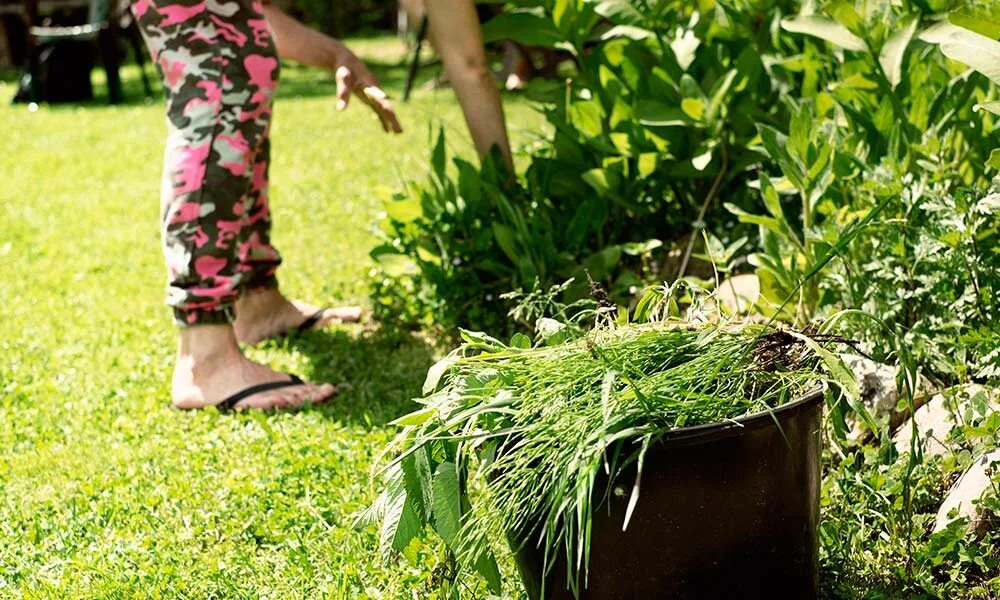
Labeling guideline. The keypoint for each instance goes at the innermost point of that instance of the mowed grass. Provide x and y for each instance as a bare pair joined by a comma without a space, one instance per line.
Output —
107,493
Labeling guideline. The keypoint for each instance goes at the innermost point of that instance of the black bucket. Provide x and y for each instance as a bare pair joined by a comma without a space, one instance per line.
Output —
727,510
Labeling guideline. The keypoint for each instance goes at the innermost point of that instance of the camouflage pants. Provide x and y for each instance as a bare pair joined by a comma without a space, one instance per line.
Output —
220,70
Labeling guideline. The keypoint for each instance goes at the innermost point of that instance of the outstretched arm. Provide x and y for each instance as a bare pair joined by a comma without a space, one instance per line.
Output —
297,42
457,36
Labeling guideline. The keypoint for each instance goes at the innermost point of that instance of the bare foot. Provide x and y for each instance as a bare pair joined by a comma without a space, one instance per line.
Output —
210,368
265,313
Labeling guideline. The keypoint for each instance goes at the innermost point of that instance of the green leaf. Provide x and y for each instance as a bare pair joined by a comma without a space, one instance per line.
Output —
640,248
619,12
993,107
842,377
648,162
684,48
693,107
587,117
520,341
525,28
507,240
977,51
982,22
404,211
771,200
702,160
400,522
994,160
627,31
486,566
447,503
439,156
659,114
397,265
891,56
825,29
417,417
437,371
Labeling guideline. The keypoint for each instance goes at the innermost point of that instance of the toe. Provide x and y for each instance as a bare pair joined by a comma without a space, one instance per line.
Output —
291,397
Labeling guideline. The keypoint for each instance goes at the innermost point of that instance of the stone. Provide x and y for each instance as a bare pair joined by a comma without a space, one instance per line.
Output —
877,383
936,418
739,293
962,498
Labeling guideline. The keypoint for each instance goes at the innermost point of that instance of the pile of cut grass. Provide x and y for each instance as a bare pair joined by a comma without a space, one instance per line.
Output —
543,424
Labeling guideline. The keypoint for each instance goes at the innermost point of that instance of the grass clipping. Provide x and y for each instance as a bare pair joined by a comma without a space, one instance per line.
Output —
538,426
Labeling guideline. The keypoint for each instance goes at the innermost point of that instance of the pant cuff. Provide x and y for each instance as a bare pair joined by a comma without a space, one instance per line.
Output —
267,281
222,315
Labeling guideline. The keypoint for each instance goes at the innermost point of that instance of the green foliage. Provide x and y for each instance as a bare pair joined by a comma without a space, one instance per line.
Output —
873,546
654,125
902,131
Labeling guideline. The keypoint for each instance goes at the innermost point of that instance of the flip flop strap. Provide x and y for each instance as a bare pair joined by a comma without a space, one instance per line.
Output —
230,402
311,320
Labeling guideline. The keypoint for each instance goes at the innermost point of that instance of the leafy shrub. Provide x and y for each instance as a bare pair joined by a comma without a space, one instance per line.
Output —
894,137
654,126
875,544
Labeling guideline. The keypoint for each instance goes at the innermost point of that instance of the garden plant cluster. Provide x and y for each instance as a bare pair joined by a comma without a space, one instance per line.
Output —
843,152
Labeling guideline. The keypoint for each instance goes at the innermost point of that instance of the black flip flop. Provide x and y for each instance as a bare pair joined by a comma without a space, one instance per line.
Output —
311,320
229,404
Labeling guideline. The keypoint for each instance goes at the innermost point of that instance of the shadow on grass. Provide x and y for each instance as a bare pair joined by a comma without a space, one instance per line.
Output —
379,372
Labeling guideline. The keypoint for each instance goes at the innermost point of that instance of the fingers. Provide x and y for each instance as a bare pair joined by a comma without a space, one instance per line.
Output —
367,89
344,79
377,100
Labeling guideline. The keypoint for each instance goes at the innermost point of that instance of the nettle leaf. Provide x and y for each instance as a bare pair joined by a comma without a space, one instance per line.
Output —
437,371
447,503
417,476
825,29
891,56
400,521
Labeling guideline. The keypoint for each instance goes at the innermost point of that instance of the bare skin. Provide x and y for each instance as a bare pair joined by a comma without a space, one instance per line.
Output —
210,366
265,313
458,38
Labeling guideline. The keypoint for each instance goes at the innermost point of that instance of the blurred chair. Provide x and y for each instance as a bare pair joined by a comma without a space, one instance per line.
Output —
102,28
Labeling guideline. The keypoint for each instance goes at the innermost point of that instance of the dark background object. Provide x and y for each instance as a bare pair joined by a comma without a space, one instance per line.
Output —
61,74
725,511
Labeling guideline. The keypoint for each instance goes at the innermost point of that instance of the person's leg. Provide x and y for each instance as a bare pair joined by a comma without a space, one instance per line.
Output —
219,70
263,312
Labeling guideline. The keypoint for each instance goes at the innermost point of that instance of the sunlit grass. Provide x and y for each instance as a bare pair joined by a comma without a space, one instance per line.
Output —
104,491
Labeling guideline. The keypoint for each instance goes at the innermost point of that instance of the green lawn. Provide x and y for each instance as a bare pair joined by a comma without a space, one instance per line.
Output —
107,493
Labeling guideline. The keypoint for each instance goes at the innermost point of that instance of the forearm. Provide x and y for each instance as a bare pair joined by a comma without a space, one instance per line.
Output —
299,43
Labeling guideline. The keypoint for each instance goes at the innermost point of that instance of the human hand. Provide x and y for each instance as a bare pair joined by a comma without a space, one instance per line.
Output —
353,77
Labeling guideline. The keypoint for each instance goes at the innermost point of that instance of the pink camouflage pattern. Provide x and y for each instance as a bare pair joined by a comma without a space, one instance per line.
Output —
220,71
